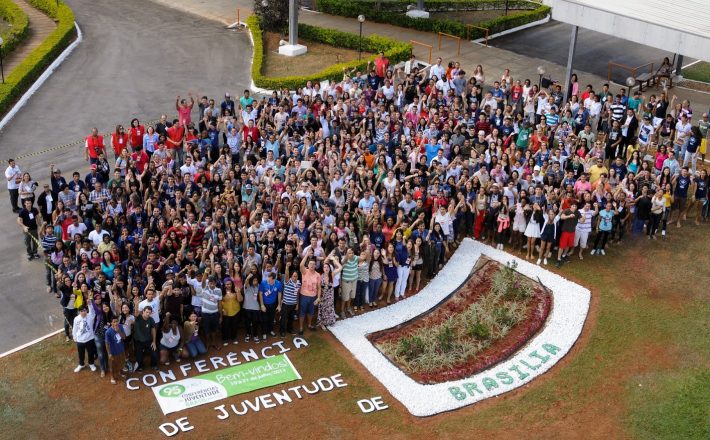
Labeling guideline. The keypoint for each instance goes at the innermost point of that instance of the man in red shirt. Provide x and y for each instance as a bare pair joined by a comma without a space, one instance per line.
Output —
140,158
94,145
381,65
251,130
176,135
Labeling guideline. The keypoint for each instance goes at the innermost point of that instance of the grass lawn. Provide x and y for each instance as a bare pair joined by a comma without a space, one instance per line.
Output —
639,370
318,57
698,72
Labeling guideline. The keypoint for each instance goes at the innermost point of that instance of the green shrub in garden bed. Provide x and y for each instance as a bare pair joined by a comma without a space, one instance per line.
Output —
393,12
22,76
19,25
394,50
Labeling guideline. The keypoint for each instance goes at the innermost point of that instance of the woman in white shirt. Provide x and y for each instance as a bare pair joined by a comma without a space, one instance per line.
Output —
170,340
27,189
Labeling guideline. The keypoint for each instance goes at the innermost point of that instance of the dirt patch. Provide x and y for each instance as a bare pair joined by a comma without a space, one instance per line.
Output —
318,57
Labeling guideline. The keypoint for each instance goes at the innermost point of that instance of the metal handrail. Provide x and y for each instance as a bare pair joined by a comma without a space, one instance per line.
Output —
419,43
485,30
453,37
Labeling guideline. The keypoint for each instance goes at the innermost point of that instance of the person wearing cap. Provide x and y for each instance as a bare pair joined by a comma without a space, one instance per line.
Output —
227,105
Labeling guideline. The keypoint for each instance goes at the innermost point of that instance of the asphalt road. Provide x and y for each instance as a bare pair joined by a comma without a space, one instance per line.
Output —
135,58
594,50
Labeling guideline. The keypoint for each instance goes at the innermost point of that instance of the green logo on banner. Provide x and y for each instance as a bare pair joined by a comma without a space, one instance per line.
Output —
172,390
223,383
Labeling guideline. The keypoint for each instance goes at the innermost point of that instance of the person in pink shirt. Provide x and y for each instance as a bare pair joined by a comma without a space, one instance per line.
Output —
582,185
184,110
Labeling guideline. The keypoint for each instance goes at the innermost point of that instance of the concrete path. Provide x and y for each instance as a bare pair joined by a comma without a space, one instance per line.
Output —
550,53
135,57
40,28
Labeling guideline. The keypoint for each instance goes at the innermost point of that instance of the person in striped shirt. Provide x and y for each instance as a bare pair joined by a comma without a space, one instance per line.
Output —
348,280
49,242
289,300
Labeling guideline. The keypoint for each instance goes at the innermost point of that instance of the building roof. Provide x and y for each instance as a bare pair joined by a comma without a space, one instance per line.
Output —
678,26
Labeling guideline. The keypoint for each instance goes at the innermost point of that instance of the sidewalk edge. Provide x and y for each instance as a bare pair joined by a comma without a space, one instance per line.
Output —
28,344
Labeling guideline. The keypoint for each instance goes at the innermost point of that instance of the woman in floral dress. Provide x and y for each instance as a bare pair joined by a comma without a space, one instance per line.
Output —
326,309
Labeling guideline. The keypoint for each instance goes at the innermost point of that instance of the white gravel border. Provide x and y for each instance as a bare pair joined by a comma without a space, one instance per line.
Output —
564,325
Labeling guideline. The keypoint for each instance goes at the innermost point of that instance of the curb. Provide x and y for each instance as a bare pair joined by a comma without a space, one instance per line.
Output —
252,86
23,346
515,29
42,78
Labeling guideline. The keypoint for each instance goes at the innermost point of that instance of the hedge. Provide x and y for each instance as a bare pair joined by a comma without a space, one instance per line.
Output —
22,76
394,50
19,29
393,12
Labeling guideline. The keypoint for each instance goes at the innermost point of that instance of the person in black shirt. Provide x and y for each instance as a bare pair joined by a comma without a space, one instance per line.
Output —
27,219
643,211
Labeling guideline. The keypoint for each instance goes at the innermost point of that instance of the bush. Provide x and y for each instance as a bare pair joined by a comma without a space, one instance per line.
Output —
393,12
22,77
479,330
394,50
19,29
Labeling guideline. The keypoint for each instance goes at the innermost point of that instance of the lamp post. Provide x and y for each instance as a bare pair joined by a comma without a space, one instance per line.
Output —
361,20
506,7
2,69
540,71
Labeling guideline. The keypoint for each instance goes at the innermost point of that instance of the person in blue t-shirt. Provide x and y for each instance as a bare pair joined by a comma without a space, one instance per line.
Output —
270,290
114,338
605,223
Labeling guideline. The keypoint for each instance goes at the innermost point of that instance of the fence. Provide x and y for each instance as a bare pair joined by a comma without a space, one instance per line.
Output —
452,37
486,32
418,43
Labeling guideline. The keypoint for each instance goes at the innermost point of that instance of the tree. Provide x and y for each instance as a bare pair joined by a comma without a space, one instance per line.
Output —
273,14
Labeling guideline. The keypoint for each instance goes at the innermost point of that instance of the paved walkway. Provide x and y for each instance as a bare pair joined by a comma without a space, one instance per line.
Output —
129,65
40,28
494,60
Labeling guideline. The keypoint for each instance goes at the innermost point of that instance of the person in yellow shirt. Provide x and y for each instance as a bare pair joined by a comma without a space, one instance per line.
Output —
596,171
229,309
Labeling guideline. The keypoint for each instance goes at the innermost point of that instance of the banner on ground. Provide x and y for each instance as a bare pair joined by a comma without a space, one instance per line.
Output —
220,384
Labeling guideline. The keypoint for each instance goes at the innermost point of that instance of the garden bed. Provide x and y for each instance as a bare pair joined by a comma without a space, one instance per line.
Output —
312,62
483,322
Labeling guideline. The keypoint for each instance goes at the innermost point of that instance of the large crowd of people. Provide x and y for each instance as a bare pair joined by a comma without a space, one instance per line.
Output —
246,218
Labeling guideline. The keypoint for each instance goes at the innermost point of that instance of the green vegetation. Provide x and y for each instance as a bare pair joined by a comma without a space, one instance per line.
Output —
15,28
393,12
22,77
460,337
394,50
698,72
